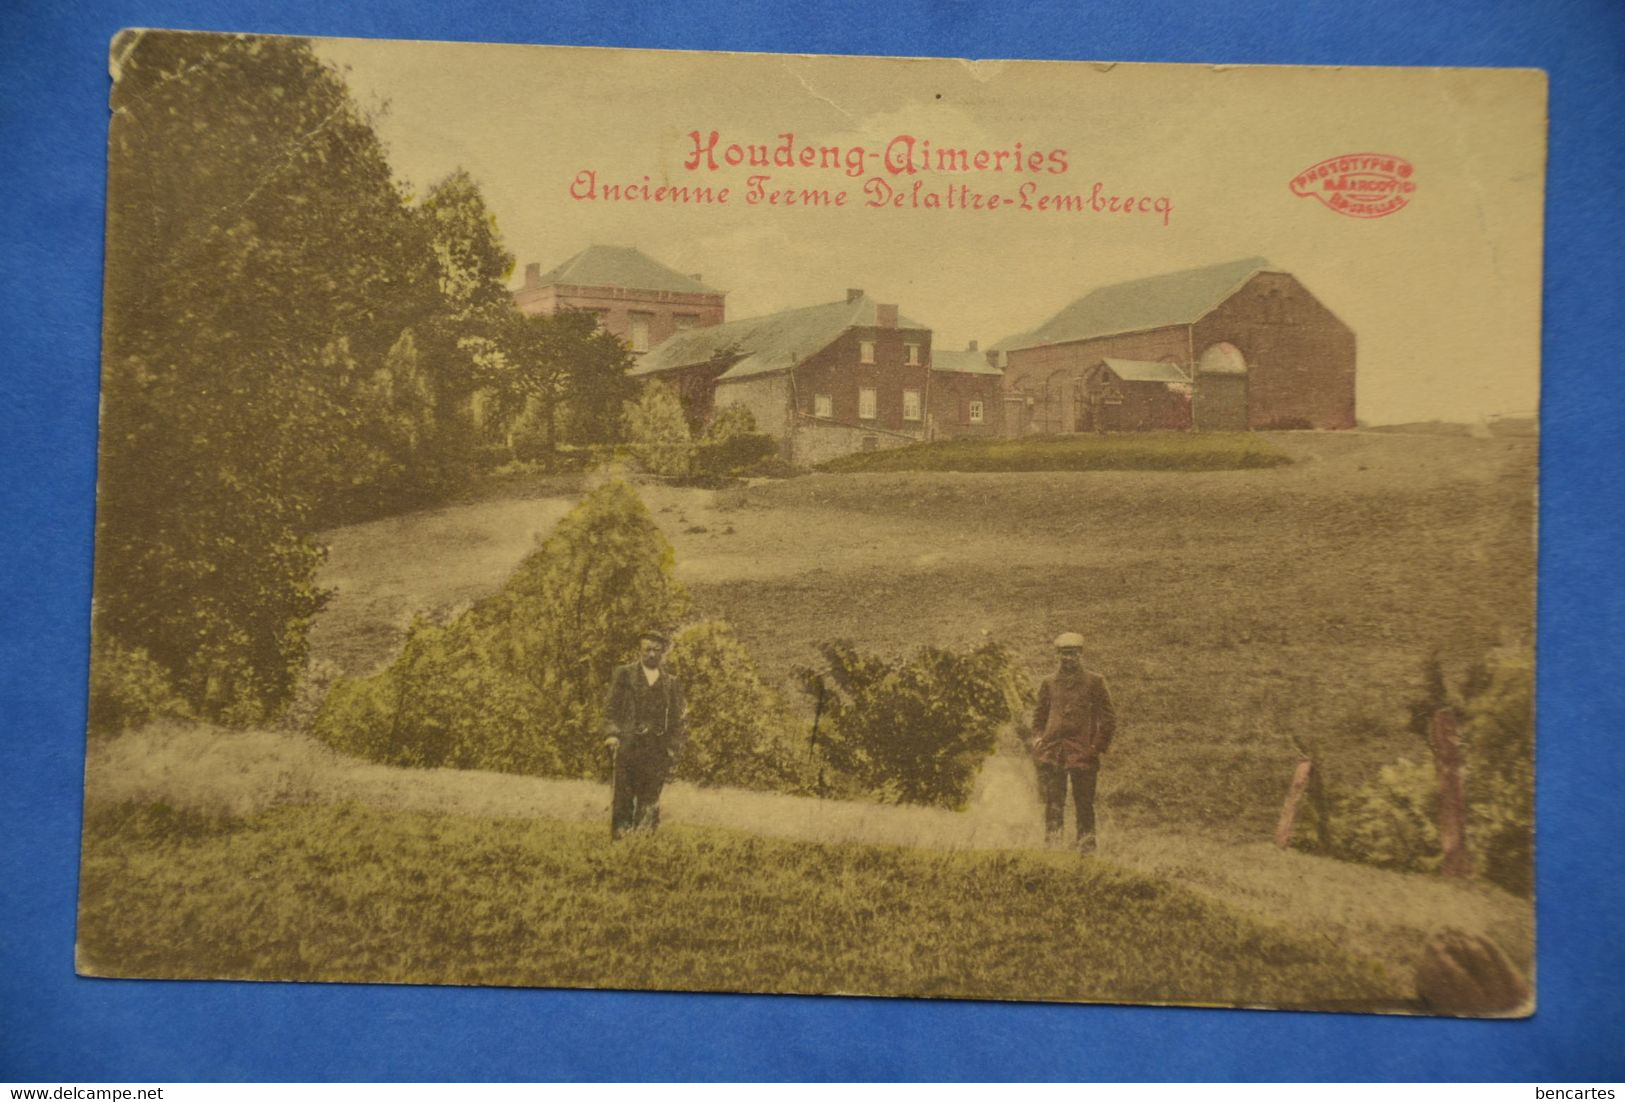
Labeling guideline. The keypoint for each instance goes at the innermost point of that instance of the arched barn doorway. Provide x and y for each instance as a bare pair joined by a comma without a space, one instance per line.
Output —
1220,401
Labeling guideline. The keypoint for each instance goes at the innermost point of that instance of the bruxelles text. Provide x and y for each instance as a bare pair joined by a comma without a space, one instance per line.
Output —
878,193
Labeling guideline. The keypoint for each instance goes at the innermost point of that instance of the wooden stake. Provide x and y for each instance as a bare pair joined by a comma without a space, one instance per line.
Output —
1294,799
1452,795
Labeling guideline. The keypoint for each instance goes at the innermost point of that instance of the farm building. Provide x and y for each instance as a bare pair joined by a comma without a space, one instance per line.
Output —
964,395
823,380
636,297
1241,346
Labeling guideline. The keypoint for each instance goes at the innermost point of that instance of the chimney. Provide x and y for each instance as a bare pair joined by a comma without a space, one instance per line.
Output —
972,347
886,315
533,274
854,293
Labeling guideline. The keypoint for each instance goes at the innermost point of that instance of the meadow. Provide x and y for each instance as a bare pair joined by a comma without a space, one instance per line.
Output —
345,893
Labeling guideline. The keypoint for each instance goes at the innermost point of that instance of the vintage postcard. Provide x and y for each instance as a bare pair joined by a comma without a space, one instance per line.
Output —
894,527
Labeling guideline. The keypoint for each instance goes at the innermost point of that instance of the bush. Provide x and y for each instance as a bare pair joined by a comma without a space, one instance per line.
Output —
128,690
517,683
915,730
1392,820
732,445
737,727
658,431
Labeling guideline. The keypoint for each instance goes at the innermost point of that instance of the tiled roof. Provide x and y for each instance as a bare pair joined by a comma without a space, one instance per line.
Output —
621,266
1177,298
962,361
773,342
1147,371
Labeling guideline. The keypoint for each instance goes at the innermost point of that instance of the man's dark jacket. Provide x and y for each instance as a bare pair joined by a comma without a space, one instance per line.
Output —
1074,721
648,719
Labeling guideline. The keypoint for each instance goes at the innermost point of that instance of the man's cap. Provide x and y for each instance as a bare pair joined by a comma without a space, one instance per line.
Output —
654,633
1068,640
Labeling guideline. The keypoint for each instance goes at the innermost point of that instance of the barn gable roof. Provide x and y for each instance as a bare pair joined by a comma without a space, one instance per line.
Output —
621,266
1146,371
773,342
1175,298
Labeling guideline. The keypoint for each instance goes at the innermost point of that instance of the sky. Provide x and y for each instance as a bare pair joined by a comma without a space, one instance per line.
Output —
1443,295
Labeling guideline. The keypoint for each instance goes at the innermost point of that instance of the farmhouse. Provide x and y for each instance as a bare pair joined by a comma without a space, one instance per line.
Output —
1229,347
636,297
823,380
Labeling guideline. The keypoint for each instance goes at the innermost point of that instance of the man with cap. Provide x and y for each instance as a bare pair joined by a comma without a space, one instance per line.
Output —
1073,725
646,732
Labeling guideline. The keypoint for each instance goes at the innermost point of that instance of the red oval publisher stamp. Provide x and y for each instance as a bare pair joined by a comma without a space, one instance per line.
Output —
1360,185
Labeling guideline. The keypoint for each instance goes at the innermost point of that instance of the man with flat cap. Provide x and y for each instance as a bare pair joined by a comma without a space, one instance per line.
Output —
646,732
1073,725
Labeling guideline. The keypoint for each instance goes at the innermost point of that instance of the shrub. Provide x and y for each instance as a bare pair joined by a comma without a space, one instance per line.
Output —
517,682
914,730
1498,736
737,728
1392,820
658,431
731,445
128,690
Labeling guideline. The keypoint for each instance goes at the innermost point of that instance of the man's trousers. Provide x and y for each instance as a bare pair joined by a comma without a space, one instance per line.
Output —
635,804
1052,782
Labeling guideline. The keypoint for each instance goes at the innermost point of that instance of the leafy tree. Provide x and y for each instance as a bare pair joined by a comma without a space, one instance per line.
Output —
914,730
569,380
287,343
658,431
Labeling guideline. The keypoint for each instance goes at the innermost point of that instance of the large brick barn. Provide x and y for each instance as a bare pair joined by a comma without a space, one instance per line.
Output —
636,297
1233,346
823,380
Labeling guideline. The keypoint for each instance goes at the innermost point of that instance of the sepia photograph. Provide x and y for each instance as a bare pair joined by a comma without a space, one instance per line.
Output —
1031,531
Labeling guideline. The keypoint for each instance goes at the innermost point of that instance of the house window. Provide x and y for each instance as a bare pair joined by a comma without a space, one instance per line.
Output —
866,352
911,405
866,403
640,332
823,405
684,321
913,351
976,411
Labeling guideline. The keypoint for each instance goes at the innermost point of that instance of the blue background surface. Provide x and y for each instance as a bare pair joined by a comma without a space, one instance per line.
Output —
55,1026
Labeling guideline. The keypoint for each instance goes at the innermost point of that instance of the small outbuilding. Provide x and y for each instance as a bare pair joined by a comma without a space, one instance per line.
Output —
1134,396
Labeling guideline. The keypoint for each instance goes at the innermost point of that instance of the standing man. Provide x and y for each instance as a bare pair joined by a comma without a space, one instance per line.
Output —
645,724
1072,727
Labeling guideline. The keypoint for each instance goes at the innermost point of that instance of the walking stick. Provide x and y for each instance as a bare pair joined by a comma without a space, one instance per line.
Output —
613,751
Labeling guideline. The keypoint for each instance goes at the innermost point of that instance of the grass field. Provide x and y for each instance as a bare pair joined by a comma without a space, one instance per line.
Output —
344,893
1235,613
1232,612
1168,451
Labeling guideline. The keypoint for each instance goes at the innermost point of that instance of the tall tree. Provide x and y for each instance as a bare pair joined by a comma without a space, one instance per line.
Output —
569,377
261,264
